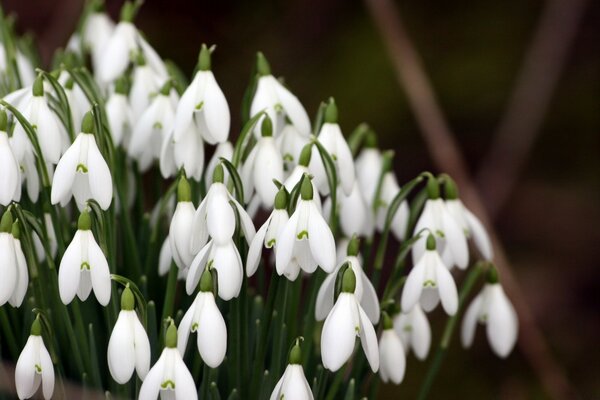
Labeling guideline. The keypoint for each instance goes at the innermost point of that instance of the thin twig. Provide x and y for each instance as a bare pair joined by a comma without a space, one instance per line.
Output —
521,123
447,155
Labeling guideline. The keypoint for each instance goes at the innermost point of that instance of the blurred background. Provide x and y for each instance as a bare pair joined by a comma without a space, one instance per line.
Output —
537,164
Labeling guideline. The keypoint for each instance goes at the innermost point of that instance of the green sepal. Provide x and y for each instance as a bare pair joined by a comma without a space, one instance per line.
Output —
306,190
6,222
281,199
87,123
171,336
331,112
262,65
204,61
431,245
266,129
38,86
84,223
127,299
184,191
348,281
353,246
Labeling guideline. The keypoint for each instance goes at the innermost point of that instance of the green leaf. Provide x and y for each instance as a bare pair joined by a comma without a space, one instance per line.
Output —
240,144
235,177
63,101
356,137
332,180
319,117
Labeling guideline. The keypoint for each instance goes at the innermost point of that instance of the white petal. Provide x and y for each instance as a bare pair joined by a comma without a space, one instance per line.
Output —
285,244
142,349
230,271
47,372
392,356
100,180
320,238
339,333
345,164
116,52
324,302
100,272
293,108
185,327
295,386
447,289
69,270
197,268
421,333
215,110
151,385
480,235
164,258
185,388
64,175
255,250
212,333
469,323
502,324
246,221
369,300
23,276
455,240
268,165
220,219
413,286
25,369
47,131
10,271
121,354
368,339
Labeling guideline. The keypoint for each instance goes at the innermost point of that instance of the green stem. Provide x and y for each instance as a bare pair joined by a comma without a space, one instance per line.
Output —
169,303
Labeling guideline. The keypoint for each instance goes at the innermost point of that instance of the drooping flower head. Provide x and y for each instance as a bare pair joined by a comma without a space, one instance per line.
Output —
293,383
391,353
34,366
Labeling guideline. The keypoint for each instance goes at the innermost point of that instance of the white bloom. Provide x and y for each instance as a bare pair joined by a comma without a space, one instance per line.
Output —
355,216
204,318
10,174
128,346
181,226
290,143
84,267
223,150
365,292
471,226
15,276
429,282
34,366
492,308
24,67
145,83
119,115
27,165
165,257
449,236
22,276
277,101
97,30
306,240
169,377
298,173
391,355
414,330
345,322
82,172
266,236
292,385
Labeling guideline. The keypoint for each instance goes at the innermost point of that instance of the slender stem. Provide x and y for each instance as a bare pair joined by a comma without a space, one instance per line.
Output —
169,303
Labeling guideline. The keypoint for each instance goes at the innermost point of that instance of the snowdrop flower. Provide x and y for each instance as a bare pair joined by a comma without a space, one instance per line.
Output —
391,353
364,292
429,282
215,216
345,322
20,288
37,111
119,113
266,236
151,129
333,141
369,165
449,236
181,227
306,240
15,276
492,308
223,150
144,85
97,30
24,67
354,213
10,173
169,377
82,171
128,346
125,41
204,318
414,330
277,101
293,383
202,115
297,174
263,165
470,224
290,143
34,366
84,266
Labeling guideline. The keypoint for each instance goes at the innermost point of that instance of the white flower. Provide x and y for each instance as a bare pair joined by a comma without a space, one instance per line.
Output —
119,114
306,240
128,346
298,173
355,216
10,174
290,143
391,354
84,267
24,66
15,276
345,322
263,165
429,282
293,384
365,292
145,83
277,101
97,30
181,226
266,236
451,241
34,366
169,377
151,128
27,165
471,226
492,308
223,150
204,318
165,257
414,330
82,172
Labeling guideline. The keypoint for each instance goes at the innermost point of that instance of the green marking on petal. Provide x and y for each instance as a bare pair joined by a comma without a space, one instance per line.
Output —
301,235
334,157
85,265
38,368
288,157
271,243
199,106
81,168
168,383
440,233
430,283
157,125
278,108
407,328
195,327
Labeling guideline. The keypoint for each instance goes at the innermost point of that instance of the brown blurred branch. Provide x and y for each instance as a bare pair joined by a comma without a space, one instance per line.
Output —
448,156
529,101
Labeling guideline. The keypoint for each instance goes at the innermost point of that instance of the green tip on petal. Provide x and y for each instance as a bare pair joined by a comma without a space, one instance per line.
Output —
184,191
266,128
6,222
387,321
171,336
206,281
348,281
3,121
262,65
306,190
166,88
204,62
492,275
128,12
84,223
218,174
433,187
139,59
36,327
87,123
450,188
127,299
296,353
281,199
371,139
305,155
16,229
38,86
331,112
353,246
122,85
431,242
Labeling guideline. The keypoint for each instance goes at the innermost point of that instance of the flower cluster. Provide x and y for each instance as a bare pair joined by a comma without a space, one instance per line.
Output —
94,144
